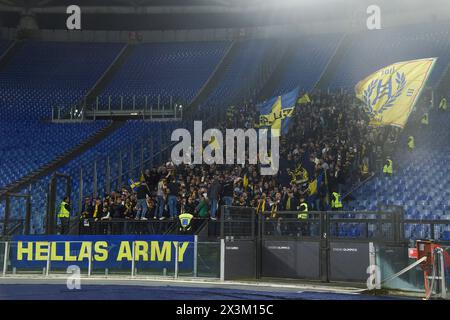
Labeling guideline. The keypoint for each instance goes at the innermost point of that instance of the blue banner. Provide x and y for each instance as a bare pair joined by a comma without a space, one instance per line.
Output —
107,251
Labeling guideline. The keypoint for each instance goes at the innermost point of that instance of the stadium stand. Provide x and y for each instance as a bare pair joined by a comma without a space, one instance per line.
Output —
126,142
241,75
43,75
163,71
177,71
4,44
420,183
26,150
307,63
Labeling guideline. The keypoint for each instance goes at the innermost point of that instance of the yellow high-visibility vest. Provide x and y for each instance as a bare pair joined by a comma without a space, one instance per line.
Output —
303,214
388,167
63,212
411,142
443,104
336,202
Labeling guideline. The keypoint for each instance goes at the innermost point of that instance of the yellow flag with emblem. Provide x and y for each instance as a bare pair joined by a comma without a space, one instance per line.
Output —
390,93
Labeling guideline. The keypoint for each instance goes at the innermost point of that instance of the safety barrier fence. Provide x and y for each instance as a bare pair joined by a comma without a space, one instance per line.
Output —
108,257
246,223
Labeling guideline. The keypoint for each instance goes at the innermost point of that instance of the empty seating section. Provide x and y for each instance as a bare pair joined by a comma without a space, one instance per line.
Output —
42,75
372,50
29,145
126,143
4,44
310,58
420,183
163,70
241,75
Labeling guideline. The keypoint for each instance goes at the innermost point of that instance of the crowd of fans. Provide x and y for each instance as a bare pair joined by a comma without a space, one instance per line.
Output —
328,148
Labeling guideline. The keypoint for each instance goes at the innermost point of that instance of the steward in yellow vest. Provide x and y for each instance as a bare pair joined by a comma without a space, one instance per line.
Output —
387,169
185,221
64,215
303,214
336,203
443,104
411,143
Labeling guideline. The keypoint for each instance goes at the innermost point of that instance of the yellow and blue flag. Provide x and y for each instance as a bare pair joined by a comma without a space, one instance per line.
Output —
133,184
390,93
315,184
276,112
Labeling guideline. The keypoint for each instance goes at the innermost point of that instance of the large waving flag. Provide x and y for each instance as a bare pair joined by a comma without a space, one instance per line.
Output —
276,112
390,93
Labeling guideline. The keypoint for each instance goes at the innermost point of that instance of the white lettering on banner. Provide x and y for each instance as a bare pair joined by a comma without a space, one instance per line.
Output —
345,249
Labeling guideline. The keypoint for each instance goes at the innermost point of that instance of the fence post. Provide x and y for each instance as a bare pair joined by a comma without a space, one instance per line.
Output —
47,268
133,264
442,274
90,259
324,236
177,244
5,258
222,259
222,222
195,267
